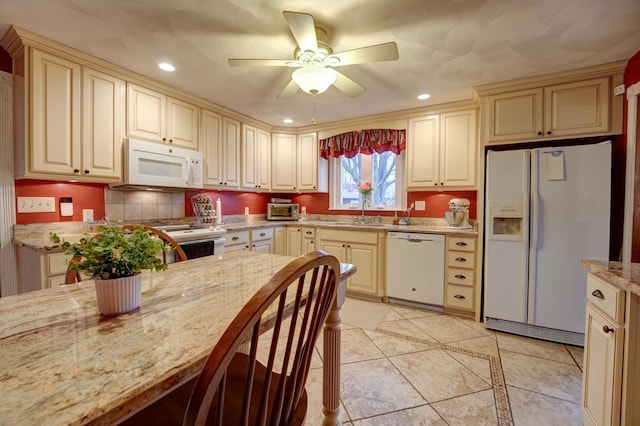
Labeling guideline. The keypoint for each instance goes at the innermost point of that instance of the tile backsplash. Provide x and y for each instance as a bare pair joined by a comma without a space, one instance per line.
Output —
143,205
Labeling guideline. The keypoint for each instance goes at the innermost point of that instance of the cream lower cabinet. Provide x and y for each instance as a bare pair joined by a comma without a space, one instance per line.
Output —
441,151
460,287
237,240
262,240
280,240
40,270
362,249
611,378
300,240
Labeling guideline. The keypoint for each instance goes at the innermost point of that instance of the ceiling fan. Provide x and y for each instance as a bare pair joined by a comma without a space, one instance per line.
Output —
315,60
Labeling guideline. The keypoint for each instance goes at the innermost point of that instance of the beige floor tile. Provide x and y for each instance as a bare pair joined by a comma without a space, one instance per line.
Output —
477,409
357,346
483,345
534,347
418,416
547,377
391,345
314,400
445,328
393,315
532,409
370,388
478,326
363,314
577,352
437,375
405,327
479,366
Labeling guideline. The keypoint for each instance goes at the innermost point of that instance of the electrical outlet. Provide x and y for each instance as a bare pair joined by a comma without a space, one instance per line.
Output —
36,204
246,211
420,205
87,215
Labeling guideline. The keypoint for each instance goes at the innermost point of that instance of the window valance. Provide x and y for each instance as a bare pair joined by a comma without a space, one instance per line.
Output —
364,142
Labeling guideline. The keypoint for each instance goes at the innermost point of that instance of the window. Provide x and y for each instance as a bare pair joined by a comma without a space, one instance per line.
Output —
384,171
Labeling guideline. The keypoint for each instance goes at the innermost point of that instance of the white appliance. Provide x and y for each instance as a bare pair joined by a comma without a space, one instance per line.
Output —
545,209
156,165
195,242
458,214
415,269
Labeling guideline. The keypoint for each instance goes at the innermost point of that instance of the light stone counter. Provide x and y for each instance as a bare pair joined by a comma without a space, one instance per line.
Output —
64,364
624,275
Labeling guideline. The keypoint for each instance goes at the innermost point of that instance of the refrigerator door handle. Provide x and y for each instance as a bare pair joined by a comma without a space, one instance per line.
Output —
534,217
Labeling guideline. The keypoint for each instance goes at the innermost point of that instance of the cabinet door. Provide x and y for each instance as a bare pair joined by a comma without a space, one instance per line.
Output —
514,116
602,379
55,109
577,108
458,149
283,162
231,152
423,154
337,249
102,124
146,111
307,177
365,257
263,160
249,154
182,124
279,240
211,136
294,241
264,246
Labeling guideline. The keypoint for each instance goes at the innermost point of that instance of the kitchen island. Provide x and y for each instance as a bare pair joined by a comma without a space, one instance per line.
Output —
63,363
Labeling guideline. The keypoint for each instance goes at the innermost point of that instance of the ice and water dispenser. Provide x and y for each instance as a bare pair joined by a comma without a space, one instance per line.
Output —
506,220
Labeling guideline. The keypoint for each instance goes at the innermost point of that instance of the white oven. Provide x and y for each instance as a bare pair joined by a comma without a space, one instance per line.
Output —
195,242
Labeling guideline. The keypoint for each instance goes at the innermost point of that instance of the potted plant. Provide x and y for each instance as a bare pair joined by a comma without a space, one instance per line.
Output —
114,258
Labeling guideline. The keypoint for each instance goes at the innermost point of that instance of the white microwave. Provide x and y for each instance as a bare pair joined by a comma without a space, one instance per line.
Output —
150,164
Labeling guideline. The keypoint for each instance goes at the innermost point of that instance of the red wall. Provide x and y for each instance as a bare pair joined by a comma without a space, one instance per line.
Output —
85,196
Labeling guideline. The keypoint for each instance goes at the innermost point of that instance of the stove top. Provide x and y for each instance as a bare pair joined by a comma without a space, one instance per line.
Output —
182,233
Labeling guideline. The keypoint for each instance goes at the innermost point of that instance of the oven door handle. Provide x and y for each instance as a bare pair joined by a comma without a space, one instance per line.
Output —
216,241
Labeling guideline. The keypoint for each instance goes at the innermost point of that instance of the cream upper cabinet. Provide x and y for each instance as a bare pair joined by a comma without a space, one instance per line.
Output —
312,172
221,149
575,109
154,116
283,162
102,123
441,151
256,158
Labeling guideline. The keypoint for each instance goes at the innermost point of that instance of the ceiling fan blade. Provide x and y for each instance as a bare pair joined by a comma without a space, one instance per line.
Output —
289,90
377,53
348,86
259,62
303,30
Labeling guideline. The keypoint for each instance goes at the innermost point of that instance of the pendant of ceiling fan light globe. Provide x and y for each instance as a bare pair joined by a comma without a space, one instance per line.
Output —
314,79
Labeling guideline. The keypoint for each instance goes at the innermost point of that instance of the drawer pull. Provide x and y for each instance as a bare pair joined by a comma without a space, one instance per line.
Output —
460,259
459,296
309,232
235,238
607,329
460,277
461,244
597,293
262,234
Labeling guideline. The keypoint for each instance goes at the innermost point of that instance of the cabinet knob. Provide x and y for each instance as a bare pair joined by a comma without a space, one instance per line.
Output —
413,289
459,296
460,259
76,170
86,172
235,238
607,329
460,277
597,293
539,133
164,139
262,234
170,140
548,132
461,244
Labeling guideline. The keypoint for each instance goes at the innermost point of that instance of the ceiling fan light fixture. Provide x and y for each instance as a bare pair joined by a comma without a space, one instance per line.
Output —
314,80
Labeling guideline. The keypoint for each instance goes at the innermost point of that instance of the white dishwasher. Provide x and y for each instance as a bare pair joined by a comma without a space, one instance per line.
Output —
415,269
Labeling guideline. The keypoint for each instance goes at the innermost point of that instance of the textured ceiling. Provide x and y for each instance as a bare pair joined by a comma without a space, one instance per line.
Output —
446,46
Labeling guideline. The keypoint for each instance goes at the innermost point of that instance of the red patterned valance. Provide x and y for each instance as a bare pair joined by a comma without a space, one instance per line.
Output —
364,142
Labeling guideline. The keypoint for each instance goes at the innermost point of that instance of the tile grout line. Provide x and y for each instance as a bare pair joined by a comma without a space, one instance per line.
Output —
503,410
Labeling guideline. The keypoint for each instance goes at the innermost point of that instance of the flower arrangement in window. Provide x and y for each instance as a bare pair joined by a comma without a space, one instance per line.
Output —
365,188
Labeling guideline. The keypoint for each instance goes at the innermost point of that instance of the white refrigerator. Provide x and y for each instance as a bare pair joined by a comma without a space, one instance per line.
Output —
545,209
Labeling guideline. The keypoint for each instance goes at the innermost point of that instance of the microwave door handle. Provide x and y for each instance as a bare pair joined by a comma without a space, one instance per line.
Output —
187,171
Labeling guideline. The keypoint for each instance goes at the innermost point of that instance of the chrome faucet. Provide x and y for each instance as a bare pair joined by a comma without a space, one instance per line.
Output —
365,202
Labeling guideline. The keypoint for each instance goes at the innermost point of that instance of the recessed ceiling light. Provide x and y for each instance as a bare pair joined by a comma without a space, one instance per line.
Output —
287,121
424,96
167,67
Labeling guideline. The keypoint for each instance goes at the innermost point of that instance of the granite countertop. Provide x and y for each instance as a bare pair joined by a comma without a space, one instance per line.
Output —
64,364
624,275
37,236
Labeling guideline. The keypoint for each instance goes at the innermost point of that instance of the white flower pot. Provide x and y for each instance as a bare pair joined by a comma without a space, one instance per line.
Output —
119,295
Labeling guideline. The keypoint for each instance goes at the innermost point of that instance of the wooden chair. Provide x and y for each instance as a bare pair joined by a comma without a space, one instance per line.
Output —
244,383
74,276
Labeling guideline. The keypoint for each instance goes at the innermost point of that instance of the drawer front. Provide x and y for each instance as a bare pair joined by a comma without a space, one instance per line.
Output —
261,234
460,276
237,237
308,232
461,244
56,263
459,259
607,297
460,297
53,282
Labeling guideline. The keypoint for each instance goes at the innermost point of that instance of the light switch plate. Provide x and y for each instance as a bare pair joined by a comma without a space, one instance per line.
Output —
36,204
420,205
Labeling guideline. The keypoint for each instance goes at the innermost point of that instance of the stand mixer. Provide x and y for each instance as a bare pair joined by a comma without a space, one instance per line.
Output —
458,214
